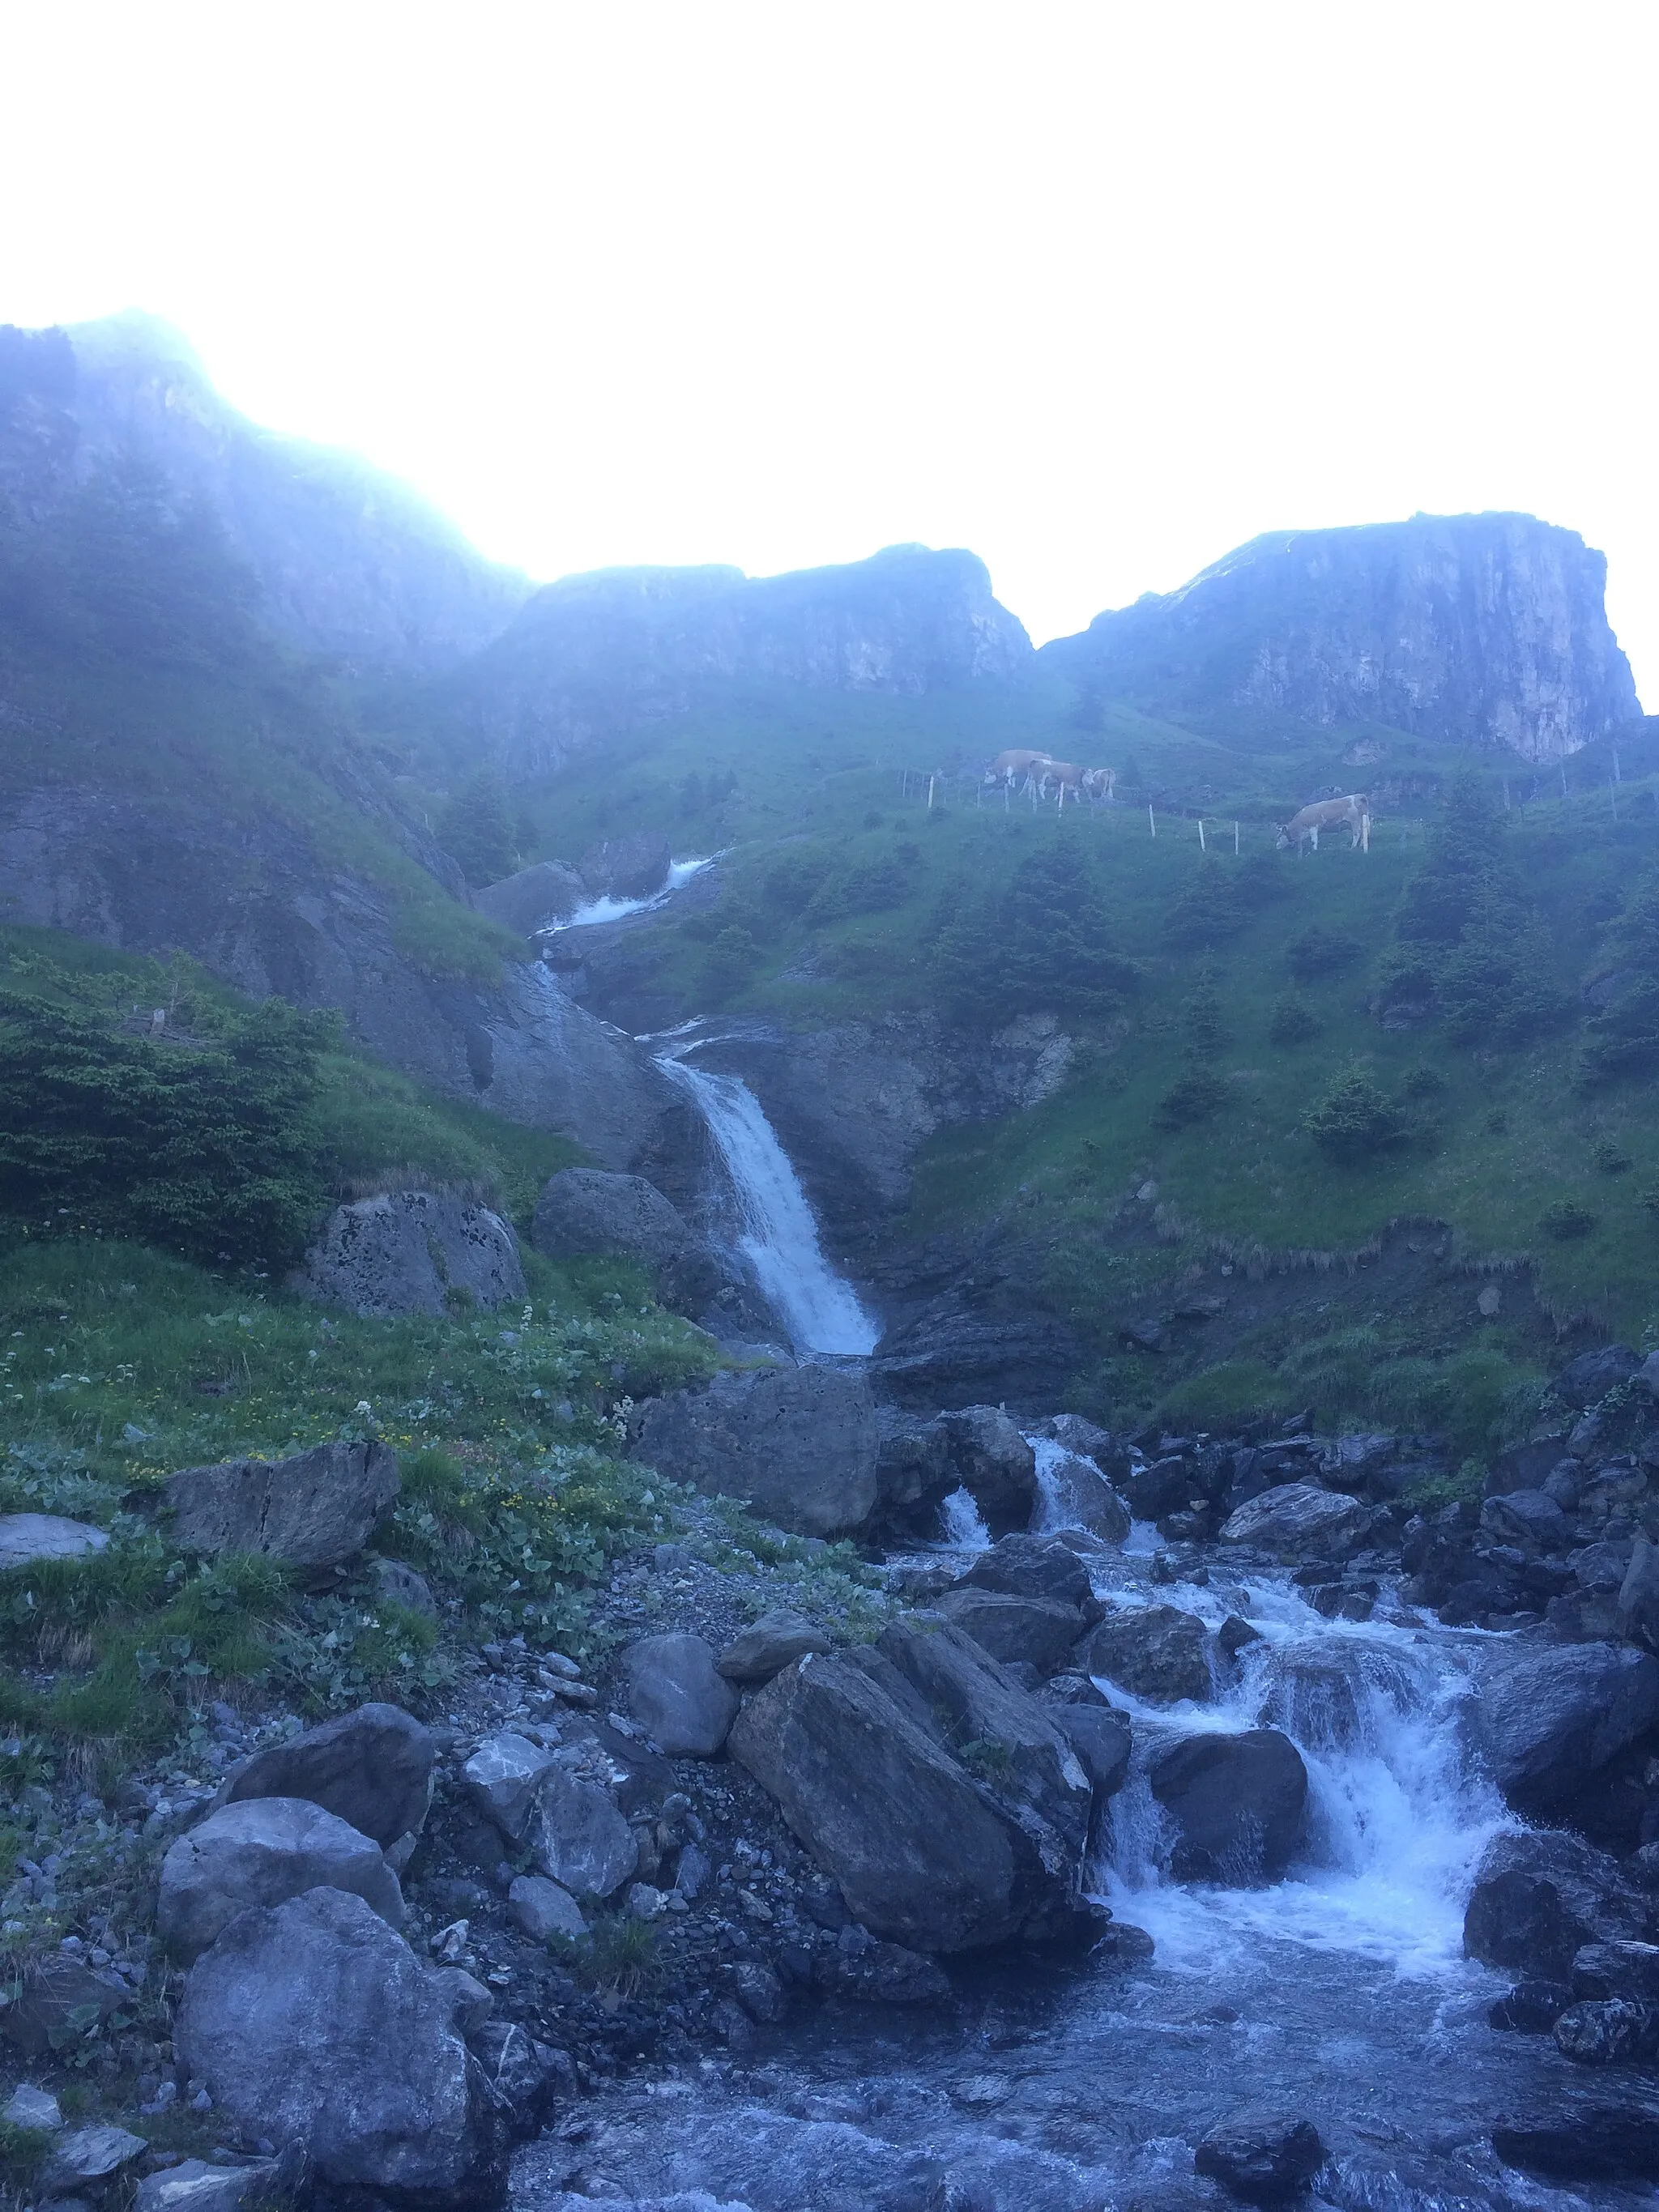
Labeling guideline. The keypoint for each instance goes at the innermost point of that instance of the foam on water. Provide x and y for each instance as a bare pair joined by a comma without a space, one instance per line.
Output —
598,910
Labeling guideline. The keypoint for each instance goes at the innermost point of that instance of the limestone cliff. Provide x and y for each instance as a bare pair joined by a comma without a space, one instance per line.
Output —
349,562
1487,629
597,653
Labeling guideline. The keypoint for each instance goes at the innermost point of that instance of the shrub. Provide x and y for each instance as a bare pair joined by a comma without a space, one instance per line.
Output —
475,827
1608,1159
1046,944
1422,1081
1193,1097
1566,1221
1320,953
1293,1020
1208,910
1354,1121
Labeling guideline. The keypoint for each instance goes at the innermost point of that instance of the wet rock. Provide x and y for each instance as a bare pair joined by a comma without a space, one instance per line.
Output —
773,1642
502,1778
262,1852
634,866
757,1990
798,1444
924,1858
1546,1720
578,1839
1617,1970
1638,1594
993,1463
413,1252
1295,1519
547,892
1607,2031
1161,1487
1101,1741
519,2069
316,1508
372,1767
313,2023
1155,1651
1530,2007
1585,2139
1021,1757
1264,2158
1033,1629
1089,1439
1539,1897
884,1973
1586,1380
539,1908
195,2187
87,2158
677,1695
1529,1518
583,1211
1074,1494
1238,1802
26,1537
960,1357
397,1585
56,1996
1023,1565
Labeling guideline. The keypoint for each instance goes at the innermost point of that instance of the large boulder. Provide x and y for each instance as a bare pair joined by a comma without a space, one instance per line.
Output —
1605,2138
262,1852
1033,1629
312,2023
1101,1739
372,1768
963,1698
1266,2158
1295,1519
1588,1379
577,1837
1153,1651
26,1538
1033,1566
1546,1721
1073,1493
502,1778
587,1211
1539,1897
547,892
798,1444
1237,1802
1618,1970
413,1252
923,1855
632,867
678,1696
993,1463
1528,1519
316,1508
769,1645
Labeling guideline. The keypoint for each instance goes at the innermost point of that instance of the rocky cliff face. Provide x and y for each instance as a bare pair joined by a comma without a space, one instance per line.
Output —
1488,629
349,562
598,654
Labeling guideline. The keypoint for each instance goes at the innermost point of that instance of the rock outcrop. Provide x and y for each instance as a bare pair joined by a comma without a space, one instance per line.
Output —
588,1212
413,1251
263,1851
799,1444
315,1508
1482,628
372,1768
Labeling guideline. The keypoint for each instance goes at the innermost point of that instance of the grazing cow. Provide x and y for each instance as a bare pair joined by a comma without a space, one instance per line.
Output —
1099,783
1065,776
1015,769
1354,812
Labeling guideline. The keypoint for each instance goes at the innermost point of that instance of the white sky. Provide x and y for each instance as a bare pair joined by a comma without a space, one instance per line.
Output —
1099,290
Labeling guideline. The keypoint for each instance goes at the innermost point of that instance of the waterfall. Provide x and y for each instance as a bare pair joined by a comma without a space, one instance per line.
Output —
778,1237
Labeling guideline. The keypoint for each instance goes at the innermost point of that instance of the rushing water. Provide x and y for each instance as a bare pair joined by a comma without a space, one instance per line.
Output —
777,1234
598,910
1339,1993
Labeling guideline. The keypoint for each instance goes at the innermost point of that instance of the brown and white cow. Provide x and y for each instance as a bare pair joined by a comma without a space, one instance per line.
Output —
1016,769
1065,777
1099,783
1352,812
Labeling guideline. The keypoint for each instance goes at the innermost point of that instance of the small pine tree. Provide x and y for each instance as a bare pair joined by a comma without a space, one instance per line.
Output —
476,828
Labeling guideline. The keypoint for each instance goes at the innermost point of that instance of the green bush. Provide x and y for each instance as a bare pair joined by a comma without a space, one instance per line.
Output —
1608,1158
1208,910
1320,953
1048,943
1193,1097
475,827
1354,1121
1293,1021
1566,1221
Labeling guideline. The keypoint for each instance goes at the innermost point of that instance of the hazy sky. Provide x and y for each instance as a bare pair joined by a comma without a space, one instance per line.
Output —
1098,290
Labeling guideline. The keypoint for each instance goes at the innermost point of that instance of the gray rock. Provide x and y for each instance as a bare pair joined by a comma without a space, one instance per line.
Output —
1638,1594
1617,1970
1546,1721
1588,1379
1087,1438
994,1464
588,1211
501,1777
1584,2138
577,1838
1034,1629
525,903
400,1585
1154,1652
195,2187
469,2002
1606,2033
88,2156
1101,1739
1529,1518
539,1908
316,1508
634,866
1263,2157
677,1695
38,2110
1237,1803
262,1852
1539,1897
797,1444
59,1997
26,1537
413,1252
1296,1518
922,1855
373,1767
313,2024
1073,1494
1023,1565
772,1643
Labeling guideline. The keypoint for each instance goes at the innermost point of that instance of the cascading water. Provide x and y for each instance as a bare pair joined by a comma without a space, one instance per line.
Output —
778,1237
596,911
